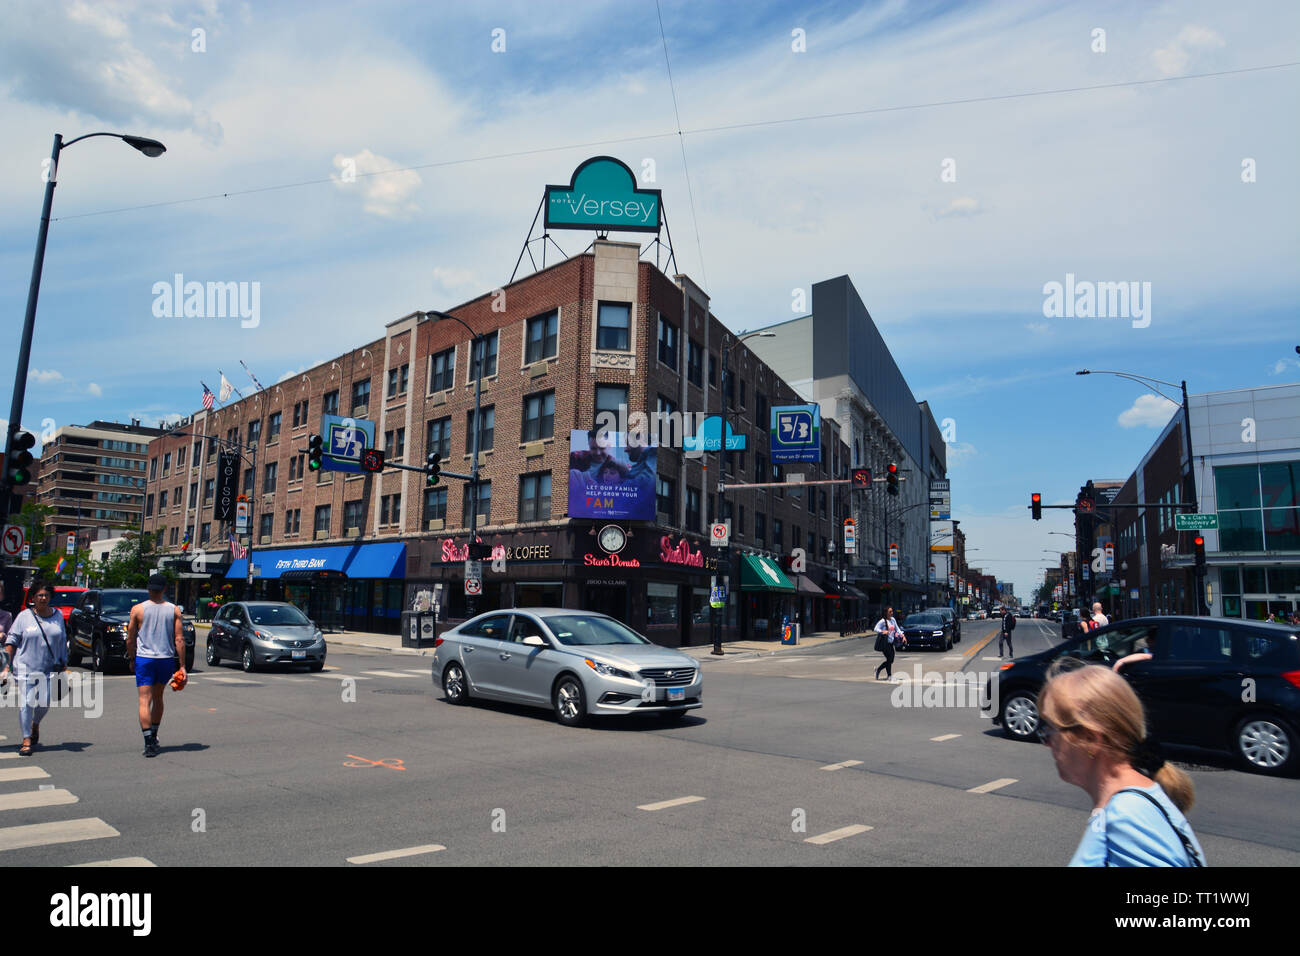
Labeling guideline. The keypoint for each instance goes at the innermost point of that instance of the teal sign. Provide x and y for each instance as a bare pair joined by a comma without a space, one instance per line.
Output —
709,437
602,195
796,433
345,439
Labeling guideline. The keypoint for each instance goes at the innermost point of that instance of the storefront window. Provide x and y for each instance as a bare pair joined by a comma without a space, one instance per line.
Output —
1230,580
539,594
1253,580
700,607
661,604
1241,530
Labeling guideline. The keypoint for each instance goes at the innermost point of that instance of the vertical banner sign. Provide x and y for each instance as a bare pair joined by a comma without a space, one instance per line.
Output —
796,433
72,543
893,557
850,536
241,515
940,499
227,481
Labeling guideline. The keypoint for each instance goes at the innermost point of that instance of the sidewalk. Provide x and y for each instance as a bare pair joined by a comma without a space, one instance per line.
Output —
733,650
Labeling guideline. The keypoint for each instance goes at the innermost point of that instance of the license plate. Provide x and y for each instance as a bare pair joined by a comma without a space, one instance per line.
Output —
676,693
298,655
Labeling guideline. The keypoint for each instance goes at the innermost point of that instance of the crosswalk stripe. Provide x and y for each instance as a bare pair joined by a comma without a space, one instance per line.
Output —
339,676
26,799
842,764
993,785
397,854
22,773
839,834
120,861
423,672
665,804
390,674
47,834
942,737
228,680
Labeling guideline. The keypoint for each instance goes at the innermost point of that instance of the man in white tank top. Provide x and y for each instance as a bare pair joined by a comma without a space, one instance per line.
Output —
155,641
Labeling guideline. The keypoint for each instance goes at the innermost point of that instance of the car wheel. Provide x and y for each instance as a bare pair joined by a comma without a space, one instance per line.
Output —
455,685
248,662
98,659
74,657
570,702
1020,715
1265,744
211,656
316,666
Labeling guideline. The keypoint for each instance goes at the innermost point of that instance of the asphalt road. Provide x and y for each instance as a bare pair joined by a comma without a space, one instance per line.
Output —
800,758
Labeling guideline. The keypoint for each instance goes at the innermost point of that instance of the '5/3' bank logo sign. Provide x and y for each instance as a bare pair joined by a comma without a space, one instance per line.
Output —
796,433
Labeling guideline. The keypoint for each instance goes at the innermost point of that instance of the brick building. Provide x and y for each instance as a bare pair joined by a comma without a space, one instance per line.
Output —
590,334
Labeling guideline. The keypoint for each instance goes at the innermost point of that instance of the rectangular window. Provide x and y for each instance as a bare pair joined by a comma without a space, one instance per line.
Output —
695,363
209,490
254,432
206,533
760,527
180,454
390,509
438,438
330,404
821,503
360,395
153,469
761,418
610,398
485,356
484,503
535,497
167,464
265,526
291,518
268,478
174,533
541,341
486,432
778,534
442,370
693,509
194,493
273,426
614,326
353,515
322,522
162,500
395,444
539,417
248,481
148,507
760,468
666,493
397,380
667,343
435,504
713,370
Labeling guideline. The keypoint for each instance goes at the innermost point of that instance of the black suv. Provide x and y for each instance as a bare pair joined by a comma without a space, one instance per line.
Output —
928,629
1211,682
97,627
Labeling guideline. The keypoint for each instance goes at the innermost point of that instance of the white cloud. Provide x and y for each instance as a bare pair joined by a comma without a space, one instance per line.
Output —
1149,411
1039,327
95,390
384,193
960,452
44,376
1282,365
963,206
1173,59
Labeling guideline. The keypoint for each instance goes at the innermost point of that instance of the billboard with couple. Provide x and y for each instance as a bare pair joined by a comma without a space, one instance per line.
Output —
611,475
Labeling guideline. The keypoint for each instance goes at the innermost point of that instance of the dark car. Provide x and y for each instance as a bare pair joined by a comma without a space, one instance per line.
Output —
1213,683
97,627
928,629
261,633
955,618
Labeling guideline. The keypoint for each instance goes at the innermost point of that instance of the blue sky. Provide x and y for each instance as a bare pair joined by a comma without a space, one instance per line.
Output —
1131,183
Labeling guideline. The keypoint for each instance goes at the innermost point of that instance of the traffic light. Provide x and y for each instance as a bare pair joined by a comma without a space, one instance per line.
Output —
315,452
861,477
18,467
892,480
1198,547
1036,506
432,469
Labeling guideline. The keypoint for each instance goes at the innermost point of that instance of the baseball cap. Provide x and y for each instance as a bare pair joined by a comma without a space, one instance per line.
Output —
157,583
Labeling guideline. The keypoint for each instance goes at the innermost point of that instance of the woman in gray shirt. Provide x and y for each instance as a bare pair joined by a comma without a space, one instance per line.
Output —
38,647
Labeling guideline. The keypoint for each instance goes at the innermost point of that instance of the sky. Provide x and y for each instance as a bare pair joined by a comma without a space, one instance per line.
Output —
953,159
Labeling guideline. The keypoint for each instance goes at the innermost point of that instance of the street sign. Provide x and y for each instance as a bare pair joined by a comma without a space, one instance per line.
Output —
372,460
717,597
14,539
27,552
1133,593
893,557
720,534
795,433
850,536
940,499
345,440
1196,522
474,569
473,586
71,547
1087,506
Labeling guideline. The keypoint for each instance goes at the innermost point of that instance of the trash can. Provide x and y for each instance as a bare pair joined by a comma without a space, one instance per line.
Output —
419,629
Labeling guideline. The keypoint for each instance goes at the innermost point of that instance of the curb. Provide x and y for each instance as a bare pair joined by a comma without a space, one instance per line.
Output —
743,655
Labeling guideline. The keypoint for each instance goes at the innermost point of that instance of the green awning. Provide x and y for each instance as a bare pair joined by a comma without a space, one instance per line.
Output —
758,573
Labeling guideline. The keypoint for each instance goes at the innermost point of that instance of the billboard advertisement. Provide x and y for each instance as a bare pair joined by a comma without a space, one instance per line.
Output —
345,438
611,477
941,536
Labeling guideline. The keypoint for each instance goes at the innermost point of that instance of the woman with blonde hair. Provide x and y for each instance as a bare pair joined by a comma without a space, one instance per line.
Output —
1094,724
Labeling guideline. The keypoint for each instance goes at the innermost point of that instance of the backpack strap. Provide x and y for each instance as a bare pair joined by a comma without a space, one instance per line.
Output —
1188,848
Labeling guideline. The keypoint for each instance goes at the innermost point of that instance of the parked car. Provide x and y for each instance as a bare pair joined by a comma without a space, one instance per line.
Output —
578,664
264,633
1192,687
928,629
955,618
97,627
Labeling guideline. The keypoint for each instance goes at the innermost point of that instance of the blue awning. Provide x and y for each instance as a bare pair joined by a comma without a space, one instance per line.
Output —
353,560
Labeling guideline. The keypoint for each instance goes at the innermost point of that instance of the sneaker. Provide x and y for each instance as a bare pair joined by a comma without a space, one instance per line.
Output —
151,749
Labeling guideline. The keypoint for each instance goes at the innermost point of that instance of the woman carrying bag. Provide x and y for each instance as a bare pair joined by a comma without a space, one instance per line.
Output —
888,633
38,648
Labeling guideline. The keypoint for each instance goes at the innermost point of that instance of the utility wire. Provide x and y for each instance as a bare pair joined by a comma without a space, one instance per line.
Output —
681,140
757,124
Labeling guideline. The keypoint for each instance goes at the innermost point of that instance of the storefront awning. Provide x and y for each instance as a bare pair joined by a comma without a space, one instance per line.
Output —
805,588
353,560
758,573
846,592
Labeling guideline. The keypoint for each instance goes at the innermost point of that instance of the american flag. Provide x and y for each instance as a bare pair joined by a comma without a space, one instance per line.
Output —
208,398
237,550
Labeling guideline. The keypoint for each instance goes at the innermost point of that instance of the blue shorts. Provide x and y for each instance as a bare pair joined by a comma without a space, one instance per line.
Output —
154,670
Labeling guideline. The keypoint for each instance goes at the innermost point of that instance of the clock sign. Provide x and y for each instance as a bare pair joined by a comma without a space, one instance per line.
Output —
612,539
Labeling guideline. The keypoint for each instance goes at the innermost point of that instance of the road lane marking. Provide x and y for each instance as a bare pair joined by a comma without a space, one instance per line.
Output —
665,804
120,861
829,659
391,674
990,658
397,854
953,657
840,834
337,676
227,680
423,672
22,773
942,737
26,799
47,834
842,764
993,785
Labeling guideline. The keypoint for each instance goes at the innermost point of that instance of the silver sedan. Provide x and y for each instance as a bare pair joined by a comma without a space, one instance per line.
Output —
576,663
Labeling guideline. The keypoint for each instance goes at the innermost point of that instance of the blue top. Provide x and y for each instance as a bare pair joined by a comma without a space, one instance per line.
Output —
1136,833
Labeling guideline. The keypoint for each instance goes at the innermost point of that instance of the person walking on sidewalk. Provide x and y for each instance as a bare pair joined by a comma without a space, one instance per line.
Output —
155,642
1008,625
888,633
38,648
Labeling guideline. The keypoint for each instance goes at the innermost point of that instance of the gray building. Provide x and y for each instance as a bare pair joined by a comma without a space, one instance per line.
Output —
837,358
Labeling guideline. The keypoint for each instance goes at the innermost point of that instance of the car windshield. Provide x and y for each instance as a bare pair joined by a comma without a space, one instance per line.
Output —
583,631
66,598
120,602
269,615
925,620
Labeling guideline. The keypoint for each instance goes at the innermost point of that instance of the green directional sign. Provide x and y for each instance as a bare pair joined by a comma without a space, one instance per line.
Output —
1196,522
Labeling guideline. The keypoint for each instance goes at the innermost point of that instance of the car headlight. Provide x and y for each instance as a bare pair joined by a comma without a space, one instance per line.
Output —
318,635
262,636
936,633
605,670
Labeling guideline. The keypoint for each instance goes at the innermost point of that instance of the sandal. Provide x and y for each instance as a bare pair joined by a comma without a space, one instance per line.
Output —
25,750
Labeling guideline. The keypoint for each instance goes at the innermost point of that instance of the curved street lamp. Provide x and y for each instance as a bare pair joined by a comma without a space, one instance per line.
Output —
150,147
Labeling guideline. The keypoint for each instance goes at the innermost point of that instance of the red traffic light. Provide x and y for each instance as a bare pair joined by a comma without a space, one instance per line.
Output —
1198,541
1036,506
893,468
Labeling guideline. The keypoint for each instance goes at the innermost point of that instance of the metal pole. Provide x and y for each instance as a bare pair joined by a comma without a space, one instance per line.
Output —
476,344
723,456
1199,575
29,320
